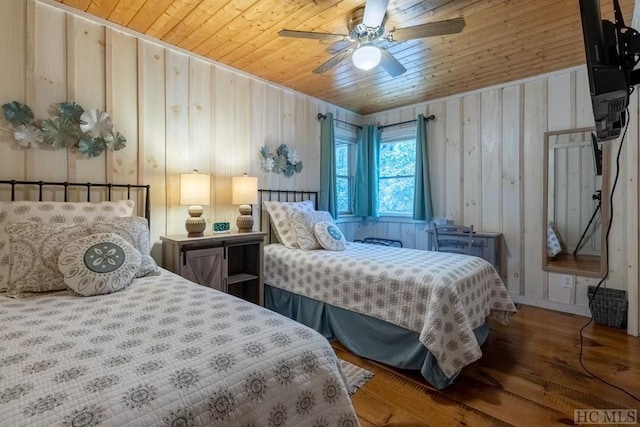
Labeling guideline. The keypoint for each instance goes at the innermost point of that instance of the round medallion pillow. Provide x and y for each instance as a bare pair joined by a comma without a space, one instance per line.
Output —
329,236
99,264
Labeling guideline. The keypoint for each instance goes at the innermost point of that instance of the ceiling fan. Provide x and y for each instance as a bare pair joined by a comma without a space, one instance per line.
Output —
366,29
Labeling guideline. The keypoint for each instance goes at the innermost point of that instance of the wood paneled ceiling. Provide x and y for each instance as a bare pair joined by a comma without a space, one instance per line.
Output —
504,40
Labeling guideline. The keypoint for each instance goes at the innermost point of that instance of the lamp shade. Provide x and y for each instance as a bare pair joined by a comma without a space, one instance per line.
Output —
195,188
244,190
366,57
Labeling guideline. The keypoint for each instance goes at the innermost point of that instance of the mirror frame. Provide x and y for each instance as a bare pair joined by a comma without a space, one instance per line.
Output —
580,265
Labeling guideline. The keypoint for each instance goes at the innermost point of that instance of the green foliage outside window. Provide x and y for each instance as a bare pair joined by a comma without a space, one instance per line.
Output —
342,177
396,177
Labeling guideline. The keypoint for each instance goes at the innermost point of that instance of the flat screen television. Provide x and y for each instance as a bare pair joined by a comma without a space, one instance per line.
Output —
611,51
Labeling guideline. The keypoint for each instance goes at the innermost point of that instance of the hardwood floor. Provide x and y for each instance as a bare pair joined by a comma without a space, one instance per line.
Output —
529,375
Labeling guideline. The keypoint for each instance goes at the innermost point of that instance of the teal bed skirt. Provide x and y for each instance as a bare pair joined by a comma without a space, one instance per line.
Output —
363,335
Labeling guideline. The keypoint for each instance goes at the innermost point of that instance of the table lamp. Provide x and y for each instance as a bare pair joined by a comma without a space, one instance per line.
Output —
244,192
195,190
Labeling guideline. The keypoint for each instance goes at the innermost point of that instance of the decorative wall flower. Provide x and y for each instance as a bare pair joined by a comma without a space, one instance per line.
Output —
96,123
115,141
71,111
17,114
60,132
71,126
285,160
28,136
91,147
268,164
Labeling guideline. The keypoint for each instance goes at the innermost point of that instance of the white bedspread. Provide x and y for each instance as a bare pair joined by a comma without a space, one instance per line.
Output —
441,296
164,352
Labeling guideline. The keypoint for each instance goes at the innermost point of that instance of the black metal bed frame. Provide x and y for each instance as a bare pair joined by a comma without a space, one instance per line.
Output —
281,196
87,186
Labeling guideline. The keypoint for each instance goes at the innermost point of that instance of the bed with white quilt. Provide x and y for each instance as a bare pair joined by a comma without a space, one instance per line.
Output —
123,342
412,309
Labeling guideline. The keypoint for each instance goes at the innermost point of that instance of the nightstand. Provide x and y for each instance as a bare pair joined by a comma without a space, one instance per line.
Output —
228,262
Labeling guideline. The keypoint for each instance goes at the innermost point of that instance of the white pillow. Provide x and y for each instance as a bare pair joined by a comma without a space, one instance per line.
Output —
302,224
34,250
54,213
279,213
330,236
98,264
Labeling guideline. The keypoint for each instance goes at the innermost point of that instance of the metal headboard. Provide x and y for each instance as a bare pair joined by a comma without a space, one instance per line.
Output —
87,187
281,196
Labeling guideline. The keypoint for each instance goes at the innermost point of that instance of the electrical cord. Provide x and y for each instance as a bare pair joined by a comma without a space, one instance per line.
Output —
595,291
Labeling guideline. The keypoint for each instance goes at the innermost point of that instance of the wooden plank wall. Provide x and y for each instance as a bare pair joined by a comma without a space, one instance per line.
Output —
487,169
180,112
177,111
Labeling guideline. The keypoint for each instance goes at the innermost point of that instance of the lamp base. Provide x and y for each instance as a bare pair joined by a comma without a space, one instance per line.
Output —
245,219
195,224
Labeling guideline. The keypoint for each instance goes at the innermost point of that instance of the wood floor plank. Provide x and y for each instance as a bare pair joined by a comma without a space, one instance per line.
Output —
529,375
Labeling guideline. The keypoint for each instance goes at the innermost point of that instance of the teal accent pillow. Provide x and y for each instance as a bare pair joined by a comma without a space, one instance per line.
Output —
329,236
99,264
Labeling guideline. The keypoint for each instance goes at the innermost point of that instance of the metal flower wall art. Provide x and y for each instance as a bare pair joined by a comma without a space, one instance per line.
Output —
91,132
285,160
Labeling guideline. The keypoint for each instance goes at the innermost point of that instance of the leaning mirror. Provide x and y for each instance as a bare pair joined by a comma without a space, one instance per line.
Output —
576,203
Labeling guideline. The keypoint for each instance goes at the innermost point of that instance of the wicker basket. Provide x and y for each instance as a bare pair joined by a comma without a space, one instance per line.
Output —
609,307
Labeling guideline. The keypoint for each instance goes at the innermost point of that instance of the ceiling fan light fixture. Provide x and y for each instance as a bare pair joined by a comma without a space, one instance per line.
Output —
366,57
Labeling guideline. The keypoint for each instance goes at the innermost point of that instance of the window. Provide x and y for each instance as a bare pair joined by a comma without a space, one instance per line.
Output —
397,170
345,170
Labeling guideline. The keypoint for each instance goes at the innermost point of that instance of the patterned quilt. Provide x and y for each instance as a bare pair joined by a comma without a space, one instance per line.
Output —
163,352
441,296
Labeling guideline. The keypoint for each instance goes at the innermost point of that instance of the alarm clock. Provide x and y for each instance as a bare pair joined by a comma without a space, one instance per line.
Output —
220,227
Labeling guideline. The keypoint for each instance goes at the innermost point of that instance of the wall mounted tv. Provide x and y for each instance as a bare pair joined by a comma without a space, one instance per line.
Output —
612,51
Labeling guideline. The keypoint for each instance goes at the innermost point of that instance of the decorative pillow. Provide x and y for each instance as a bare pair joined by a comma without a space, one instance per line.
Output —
302,224
555,245
54,213
34,255
135,230
330,236
279,213
99,264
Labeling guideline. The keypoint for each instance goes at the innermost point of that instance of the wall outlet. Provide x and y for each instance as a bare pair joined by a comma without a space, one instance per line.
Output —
568,281
562,288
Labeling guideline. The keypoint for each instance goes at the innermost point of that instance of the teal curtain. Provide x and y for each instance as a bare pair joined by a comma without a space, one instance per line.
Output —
328,187
422,206
366,191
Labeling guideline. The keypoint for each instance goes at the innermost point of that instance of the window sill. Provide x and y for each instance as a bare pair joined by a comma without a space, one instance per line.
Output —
348,218
398,218
401,219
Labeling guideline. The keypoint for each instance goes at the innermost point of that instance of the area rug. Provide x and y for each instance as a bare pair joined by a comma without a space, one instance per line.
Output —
356,376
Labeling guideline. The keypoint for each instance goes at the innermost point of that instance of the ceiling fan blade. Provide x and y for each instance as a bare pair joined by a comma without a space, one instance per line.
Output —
391,64
335,60
340,45
374,11
439,28
312,35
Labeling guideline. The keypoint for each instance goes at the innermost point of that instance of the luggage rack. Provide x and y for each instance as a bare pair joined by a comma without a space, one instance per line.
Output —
380,241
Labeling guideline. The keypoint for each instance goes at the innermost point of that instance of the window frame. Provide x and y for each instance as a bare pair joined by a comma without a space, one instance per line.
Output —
349,138
390,137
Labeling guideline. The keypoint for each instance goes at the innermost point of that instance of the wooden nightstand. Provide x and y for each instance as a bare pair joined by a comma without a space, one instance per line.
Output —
228,262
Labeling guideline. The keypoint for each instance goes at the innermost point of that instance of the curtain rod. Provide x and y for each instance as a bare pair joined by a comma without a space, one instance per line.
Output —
431,117
324,116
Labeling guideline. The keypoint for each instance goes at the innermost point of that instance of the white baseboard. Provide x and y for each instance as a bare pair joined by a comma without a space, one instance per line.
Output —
550,305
